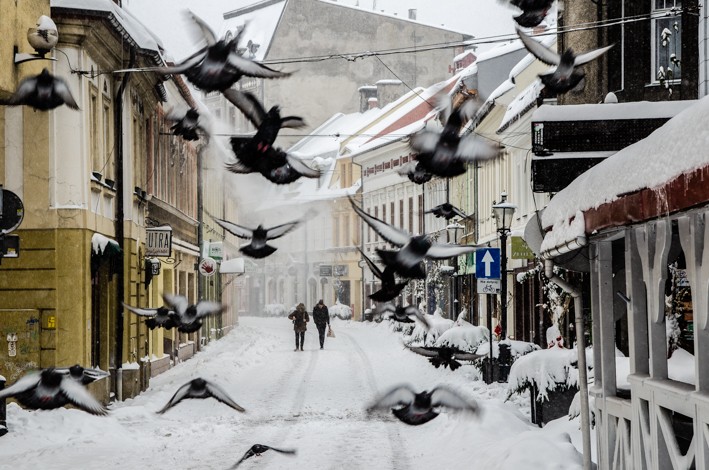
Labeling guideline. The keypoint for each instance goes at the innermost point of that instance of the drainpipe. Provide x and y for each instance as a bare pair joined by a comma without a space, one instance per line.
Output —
575,292
120,234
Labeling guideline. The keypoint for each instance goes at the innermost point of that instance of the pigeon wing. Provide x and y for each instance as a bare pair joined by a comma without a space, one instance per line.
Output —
292,122
62,90
472,148
407,168
444,396
589,56
248,454
282,451
391,234
441,251
80,397
234,229
538,50
26,382
412,311
26,88
423,351
247,104
239,168
143,312
372,267
178,303
206,307
280,230
187,64
399,395
425,141
459,212
218,393
463,356
298,165
253,69
179,395
204,28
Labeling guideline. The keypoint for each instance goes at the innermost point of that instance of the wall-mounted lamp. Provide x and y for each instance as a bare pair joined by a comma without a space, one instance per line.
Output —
42,38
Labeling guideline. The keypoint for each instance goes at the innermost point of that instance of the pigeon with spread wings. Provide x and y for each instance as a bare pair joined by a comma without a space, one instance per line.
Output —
567,72
390,288
220,63
200,388
408,261
415,172
533,11
188,318
407,314
445,152
259,236
50,389
189,124
258,449
83,375
447,211
445,356
43,92
161,317
417,408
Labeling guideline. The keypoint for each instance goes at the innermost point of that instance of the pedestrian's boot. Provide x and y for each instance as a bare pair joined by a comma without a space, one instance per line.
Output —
301,348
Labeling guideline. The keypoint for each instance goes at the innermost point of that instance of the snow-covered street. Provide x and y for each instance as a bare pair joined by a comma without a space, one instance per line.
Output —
312,401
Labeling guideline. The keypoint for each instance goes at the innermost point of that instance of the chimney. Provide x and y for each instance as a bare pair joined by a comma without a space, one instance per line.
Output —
388,91
373,102
366,92
412,13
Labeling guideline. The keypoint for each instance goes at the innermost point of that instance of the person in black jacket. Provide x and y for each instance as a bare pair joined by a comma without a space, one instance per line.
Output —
322,318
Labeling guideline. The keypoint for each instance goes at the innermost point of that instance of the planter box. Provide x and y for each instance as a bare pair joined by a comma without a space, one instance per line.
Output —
185,351
158,366
555,407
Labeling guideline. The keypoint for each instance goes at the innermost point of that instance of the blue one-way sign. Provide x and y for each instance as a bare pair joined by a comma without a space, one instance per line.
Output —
487,263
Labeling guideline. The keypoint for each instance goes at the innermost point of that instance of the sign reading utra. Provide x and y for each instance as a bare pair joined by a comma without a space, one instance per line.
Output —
159,241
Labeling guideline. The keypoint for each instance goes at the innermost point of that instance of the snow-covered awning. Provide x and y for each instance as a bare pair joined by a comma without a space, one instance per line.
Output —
104,250
661,174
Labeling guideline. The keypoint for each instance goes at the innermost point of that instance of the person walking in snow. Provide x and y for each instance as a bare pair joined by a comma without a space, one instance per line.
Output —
321,317
300,319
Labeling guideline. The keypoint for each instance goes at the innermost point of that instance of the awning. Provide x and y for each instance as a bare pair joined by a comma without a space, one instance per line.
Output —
104,250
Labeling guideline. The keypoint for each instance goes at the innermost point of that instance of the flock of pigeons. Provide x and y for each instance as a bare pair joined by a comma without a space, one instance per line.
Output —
218,65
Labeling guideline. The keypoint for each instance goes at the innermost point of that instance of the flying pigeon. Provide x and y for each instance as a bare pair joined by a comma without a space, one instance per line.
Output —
445,356
258,449
189,125
42,92
200,388
390,288
408,261
415,172
533,11
44,37
268,124
447,211
83,375
219,64
259,247
160,317
274,164
566,74
445,153
407,314
50,389
188,318
419,408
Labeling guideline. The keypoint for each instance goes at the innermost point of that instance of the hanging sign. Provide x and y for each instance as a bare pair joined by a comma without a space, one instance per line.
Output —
208,267
158,241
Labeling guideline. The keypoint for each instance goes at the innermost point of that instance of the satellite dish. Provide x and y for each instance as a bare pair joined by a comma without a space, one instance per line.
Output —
576,260
11,211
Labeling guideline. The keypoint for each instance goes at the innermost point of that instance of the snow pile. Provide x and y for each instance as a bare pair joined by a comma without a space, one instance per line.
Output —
564,231
464,336
341,311
275,310
438,325
546,369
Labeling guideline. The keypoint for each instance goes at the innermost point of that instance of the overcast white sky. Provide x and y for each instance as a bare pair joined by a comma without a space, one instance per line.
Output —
164,17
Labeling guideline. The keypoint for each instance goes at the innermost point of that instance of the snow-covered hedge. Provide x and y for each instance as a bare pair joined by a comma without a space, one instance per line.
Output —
419,336
546,369
275,310
464,336
517,348
341,311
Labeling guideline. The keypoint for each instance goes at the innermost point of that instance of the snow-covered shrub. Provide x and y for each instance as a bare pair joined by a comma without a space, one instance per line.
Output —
545,369
517,348
274,310
464,336
341,311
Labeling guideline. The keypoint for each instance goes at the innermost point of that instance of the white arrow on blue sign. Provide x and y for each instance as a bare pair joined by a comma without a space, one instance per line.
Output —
487,263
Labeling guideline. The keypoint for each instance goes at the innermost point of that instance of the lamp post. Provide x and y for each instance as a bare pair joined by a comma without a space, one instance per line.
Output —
454,227
504,211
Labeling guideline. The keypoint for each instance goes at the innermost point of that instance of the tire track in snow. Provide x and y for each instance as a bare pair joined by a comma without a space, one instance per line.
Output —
399,453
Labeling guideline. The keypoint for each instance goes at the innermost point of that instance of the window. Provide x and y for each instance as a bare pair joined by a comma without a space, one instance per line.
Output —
94,126
107,123
666,40
421,221
391,210
401,213
411,215
384,212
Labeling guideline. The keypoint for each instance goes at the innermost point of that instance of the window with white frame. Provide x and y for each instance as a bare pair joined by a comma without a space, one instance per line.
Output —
666,41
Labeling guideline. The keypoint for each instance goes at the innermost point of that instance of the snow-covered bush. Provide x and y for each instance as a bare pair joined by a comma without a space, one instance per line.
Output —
275,310
517,348
438,324
464,336
545,369
341,311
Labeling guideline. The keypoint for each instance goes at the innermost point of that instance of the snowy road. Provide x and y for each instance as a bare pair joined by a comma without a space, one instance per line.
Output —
312,401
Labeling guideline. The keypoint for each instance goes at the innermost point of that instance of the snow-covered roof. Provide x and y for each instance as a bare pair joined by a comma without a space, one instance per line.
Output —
605,111
678,147
122,19
261,20
522,103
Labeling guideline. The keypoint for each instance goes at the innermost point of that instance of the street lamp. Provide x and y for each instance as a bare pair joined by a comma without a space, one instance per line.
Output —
504,211
454,228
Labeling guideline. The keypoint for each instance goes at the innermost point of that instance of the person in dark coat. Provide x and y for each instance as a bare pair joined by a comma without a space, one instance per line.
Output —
322,319
300,319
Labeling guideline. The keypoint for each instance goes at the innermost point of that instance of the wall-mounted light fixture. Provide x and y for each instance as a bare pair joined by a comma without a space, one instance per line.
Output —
42,38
